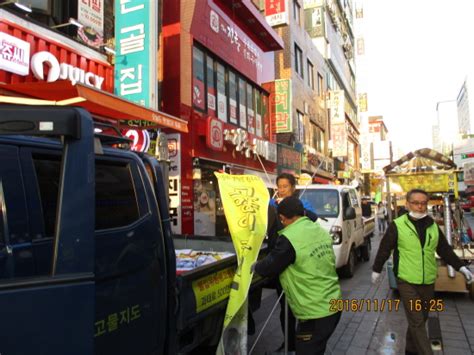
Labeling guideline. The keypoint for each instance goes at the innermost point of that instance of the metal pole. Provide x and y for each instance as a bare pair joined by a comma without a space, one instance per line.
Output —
389,199
447,230
286,325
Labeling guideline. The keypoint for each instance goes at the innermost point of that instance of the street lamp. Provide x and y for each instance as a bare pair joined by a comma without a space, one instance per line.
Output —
17,4
70,22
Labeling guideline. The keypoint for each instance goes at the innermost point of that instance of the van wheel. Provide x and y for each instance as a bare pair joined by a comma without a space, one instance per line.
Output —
365,250
348,269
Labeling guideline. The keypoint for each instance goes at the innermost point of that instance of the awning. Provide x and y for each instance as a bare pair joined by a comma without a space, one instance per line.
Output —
100,104
246,11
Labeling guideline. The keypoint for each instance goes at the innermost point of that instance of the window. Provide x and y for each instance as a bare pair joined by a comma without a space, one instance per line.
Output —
310,70
116,202
221,94
296,12
233,97
211,86
242,103
320,85
300,136
115,198
198,79
250,109
258,113
298,60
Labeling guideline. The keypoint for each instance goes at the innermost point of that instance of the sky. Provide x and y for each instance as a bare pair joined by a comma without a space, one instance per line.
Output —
418,52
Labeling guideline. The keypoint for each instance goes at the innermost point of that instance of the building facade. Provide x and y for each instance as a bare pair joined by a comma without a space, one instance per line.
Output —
216,57
301,76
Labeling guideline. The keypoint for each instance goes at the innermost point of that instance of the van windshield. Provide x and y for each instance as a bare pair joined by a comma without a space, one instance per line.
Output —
325,202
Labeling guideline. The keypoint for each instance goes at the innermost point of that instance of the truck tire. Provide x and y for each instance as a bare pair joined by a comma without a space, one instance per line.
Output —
347,270
365,250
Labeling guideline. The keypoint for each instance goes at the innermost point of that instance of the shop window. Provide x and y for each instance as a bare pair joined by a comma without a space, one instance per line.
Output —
233,97
242,103
221,93
211,86
250,109
258,113
298,60
198,79
209,218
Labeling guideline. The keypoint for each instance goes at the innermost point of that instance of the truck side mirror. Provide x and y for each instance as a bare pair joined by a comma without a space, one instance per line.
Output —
349,213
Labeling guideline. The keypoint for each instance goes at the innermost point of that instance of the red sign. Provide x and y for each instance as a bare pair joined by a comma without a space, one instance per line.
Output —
218,32
215,136
63,61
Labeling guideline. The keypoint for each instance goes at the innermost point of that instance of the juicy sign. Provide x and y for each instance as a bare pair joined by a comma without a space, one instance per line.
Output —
15,58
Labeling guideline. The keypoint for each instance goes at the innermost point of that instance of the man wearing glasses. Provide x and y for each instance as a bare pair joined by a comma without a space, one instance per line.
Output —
414,238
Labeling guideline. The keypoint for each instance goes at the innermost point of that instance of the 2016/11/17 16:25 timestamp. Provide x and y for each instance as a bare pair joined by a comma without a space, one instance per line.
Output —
380,305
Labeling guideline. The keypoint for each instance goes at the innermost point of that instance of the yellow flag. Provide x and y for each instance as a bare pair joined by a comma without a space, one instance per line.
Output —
245,199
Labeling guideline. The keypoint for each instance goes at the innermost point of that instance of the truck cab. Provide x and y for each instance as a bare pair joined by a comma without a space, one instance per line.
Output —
339,207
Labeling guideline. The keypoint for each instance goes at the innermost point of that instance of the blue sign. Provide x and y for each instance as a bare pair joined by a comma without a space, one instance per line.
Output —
133,36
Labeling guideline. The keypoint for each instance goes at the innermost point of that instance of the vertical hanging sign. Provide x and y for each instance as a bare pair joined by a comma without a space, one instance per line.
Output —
135,39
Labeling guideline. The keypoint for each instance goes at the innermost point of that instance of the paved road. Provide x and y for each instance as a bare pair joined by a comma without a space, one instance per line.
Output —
376,332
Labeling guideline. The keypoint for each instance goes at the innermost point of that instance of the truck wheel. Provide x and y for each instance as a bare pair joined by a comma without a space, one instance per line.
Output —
348,269
365,250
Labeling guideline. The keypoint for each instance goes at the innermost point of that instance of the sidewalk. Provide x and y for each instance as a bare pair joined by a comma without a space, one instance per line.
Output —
376,332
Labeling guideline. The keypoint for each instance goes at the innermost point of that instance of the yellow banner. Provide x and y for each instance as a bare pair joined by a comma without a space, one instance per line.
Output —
245,199
427,182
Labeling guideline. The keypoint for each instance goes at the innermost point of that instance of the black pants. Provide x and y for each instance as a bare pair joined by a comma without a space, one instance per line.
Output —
291,319
312,335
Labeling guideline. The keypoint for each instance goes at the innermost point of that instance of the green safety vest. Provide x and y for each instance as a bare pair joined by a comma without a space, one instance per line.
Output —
311,282
417,263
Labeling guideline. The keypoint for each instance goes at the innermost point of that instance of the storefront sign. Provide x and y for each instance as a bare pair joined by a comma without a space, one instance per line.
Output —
280,101
215,135
289,159
276,12
134,76
91,16
62,71
225,38
14,54
241,140
363,102
174,147
337,106
140,139
427,182
339,140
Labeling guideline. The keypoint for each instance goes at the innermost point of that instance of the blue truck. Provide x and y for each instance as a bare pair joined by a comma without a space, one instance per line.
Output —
87,257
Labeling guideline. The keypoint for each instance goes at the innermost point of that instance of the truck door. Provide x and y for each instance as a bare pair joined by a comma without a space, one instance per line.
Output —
54,314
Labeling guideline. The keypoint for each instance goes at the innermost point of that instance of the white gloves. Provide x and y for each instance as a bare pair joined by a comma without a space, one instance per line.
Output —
467,274
375,277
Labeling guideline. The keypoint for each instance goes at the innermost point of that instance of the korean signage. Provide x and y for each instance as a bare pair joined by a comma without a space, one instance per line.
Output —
337,106
90,14
220,34
174,148
339,140
14,54
276,12
467,155
248,146
289,159
308,4
135,46
314,21
280,102
427,182
15,58
214,136
363,102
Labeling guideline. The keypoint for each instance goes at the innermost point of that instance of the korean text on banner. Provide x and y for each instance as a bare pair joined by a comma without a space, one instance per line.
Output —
245,199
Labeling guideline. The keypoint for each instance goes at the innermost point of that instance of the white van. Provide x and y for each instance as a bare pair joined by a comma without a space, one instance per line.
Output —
339,210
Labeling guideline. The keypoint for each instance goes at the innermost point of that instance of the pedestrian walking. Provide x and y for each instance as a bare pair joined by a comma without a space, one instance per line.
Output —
381,215
304,260
415,238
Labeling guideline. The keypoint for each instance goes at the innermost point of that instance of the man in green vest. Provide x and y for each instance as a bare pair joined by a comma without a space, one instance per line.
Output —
305,262
414,239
